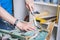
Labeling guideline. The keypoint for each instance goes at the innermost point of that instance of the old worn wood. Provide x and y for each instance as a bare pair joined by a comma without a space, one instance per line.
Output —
50,29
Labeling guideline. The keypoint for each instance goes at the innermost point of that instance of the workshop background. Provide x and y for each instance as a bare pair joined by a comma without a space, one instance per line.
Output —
18,10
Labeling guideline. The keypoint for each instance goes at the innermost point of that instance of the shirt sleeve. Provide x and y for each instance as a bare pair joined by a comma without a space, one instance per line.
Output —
7,5
0,2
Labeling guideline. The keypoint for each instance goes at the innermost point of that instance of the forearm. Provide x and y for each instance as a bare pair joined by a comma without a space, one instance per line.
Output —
6,16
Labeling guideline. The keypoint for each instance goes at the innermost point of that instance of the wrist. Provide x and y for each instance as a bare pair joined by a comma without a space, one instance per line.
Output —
17,22
19,25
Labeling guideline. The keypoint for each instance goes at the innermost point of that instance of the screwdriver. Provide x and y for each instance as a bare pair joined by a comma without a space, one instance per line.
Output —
35,22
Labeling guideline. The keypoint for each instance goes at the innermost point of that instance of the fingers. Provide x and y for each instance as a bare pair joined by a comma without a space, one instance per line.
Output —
31,28
29,6
28,28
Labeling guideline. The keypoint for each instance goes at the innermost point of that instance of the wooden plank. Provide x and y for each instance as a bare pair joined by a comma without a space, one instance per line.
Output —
50,29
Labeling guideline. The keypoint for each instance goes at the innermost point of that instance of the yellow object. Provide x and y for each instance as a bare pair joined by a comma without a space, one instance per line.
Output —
39,16
41,20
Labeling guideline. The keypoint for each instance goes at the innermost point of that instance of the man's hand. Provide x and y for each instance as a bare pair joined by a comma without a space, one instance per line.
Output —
26,26
23,26
30,4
